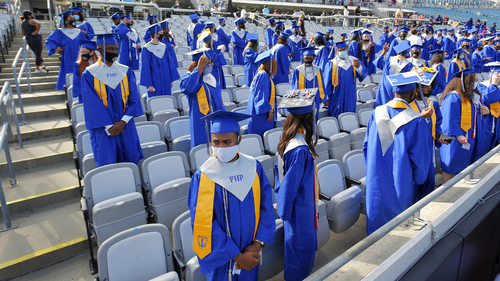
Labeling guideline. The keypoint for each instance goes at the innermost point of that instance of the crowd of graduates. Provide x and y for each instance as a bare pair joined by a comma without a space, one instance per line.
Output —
407,125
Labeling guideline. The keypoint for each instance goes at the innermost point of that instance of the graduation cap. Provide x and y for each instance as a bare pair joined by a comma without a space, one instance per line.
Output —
492,28
341,44
150,17
308,51
67,13
106,39
210,24
164,23
403,82
405,29
386,27
451,30
279,23
285,34
252,36
461,74
343,34
75,9
330,30
472,30
89,44
367,32
417,46
115,15
225,121
465,40
152,30
483,41
428,27
295,27
498,33
193,17
222,20
271,20
401,47
127,16
495,66
238,21
436,51
263,57
319,34
299,101
200,52
295,22
396,26
357,31
368,25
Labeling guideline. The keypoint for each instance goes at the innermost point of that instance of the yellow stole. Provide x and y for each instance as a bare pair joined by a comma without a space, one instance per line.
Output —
415,108
202,100
461,64
302,83
272,99
100,88
335,74
397,104
202,228
465,119
495,109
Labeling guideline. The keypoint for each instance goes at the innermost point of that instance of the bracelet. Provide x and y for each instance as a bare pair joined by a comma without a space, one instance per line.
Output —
261,243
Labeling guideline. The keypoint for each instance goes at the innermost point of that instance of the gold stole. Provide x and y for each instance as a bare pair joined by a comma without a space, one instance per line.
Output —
495,109
302,83
465,119
415,108
335,75
397,104
272,98
202,228
100,88
202,100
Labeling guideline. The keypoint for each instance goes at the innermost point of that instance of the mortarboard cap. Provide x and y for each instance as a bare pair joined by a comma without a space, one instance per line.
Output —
404,88
200,52
357,31
210,24
106,39
462,73
125,17
279,23
164,23
225,121
472,30
308,51
386,27
495,66
416,46
436,51
75,9
341,44
238,21
150,17
152,30
252,36
330,30
343,34
193,17
294,22
271,20
405,29
222,20
67,13
115,15
263,57
367,32
285,34
451,30
319,34
299,104
401,47
368,25
295,27
84,43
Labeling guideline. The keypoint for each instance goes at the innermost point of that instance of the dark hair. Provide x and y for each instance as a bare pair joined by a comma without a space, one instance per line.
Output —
455,85
437,58
25,15
82,17
192,66
65,17
414,31
281,40
83,64
293,123
319,41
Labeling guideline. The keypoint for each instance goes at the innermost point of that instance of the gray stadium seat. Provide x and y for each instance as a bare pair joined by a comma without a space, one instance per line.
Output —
243,123
348,121
328,126
151,137
139,253
338,146
273,257
241,94
365,95
237,69
240,80
251,144
271,139
227,99
354,167
197,156
84,153
229,81
322,150
323,232
183,104
178,134
162,108
364,116
282,88
357,138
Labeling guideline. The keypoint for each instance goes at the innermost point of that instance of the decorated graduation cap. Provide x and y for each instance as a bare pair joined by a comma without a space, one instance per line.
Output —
285,34
150,17
403,85
225,121
200,52
115,15
270,20
308,51
299,101
106,39
401,47
193,17
89,44
263,57
483,41
330,30
127,16
341,44
153,29
75,9
252,36
495,66
238,21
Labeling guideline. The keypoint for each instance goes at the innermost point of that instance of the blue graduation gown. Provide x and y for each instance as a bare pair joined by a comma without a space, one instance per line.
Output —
158,70
77,83
449,46
477,62
295,206
488,52
394,43
124,147
193,40
190,86
368,59
239,46
390,177
426,48
490,94
454,68
484,139
295,48
129,55
250,65
70,53
259,104
171,50
222,38
440,79
385,93
269,37
321,59
455,157
241,225
354,49
280,54
275,39
383,39
87,27
309,84
342,98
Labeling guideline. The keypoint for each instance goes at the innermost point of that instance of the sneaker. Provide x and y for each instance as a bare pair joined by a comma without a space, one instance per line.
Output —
38,71
44,68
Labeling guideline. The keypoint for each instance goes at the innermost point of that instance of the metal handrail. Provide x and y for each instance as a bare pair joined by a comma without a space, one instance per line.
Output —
153,6
20,76
371,239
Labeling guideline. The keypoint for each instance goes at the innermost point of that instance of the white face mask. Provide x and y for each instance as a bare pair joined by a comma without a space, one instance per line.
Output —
226,154
343,54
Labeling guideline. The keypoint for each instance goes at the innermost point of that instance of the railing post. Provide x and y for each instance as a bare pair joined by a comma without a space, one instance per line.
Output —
19,137
18,88
27,56
26,59
5,209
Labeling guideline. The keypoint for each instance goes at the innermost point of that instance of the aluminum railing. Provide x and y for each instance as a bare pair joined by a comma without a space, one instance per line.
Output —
25,67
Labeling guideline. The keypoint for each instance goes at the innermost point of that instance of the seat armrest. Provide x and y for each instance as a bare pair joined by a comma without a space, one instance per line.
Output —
83,206
323,196
350,182
179,265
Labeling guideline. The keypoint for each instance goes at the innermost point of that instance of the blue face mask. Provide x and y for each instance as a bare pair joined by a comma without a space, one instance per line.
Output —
77,17
462,57
343,54
208,69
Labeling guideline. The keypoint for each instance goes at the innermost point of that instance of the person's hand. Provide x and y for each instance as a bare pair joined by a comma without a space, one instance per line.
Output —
484,110
312,37
84,32
442,141
254,247
356,63
487,59
495,78
34,33
371,45
151,89
461,139
202,62
290,55
223,49
326,102
247,260
171,84
270,118
264,48
246,41
426,113
59,49
117,128
173,46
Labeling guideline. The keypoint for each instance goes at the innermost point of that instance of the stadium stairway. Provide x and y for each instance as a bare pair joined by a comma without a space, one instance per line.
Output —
45,204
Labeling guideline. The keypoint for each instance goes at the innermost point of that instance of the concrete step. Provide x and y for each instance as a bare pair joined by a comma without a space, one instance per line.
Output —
35,87
41,97
39,153
42,110
10,75
9,59
45,236
34,79
50,63
57,126
53,67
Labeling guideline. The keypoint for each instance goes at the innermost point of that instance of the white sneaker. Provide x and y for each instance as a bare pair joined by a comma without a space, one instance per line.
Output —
38,71
44,68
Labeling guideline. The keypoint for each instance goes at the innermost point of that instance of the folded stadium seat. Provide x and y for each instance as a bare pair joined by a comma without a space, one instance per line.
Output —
364,116
240,95
178,134
251,144
83,164
322,150
166,178
139,253
338,143
112,200
243,123
151,137
359,106
226,69
376,78
183,104
230,83
182,50
237,69
271,139
162,108
366,81
323,231
343,205
355,168
281,88
141,118
197,156
77,119
69,81
348,121
364,95
240,80
70,101
184,63
370,104
176,94
227,99
176,86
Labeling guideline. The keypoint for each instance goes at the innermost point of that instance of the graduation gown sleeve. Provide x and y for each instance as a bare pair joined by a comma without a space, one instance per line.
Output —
77,82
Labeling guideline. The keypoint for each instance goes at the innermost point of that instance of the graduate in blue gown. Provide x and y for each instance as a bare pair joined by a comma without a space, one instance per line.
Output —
368,51
307,76
239,40
203,93
279,28
111,101
296,192
294,24
478,60
489,52
236,217
460,62
280,53
87,57
270,33
222,37
459,121
130,43
449,44
262,98
354,45
65,40
80,21
395,161
193,30
391,65
217,54
491,98
428,42
329,40
169,41
340,78
384,37
322,51
158,71
296,43
416,56
249,55
403,32
115,21
436,63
